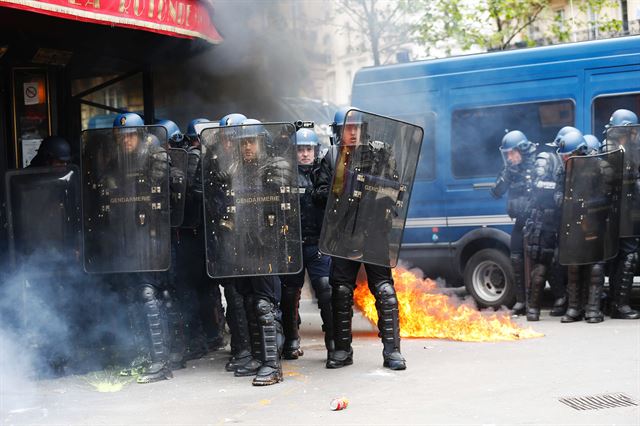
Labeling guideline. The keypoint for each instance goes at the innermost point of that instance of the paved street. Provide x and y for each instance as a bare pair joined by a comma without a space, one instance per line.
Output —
446,383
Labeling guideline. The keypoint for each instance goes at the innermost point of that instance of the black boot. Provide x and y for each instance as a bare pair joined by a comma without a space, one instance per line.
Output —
389,325
538,279
270,371
593,314
621,308
342,307
323,294
239,327
290,305
517,263
159,338
574,311
252,364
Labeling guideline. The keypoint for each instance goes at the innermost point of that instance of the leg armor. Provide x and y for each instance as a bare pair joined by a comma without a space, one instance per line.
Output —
342,307
176,333
270,372
621,308
538,280
517,263
323,294
290,305
558,284
574,285
159,337
239,327
593,314
250,368
389,325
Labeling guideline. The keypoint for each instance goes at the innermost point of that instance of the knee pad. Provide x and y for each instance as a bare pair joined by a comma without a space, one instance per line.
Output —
516,258
265,311
631,260
323,291
147,293
386,293
342,291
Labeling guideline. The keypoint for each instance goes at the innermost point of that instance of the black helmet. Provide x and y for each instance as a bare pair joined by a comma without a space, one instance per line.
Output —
55,148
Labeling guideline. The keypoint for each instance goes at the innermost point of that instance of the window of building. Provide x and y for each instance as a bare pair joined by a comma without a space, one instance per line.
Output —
603,106
476,133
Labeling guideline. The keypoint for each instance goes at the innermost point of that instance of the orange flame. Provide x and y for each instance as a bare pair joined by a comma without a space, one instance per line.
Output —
426,313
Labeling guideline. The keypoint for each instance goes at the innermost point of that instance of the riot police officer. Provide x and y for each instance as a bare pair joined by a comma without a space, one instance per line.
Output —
343,272
518,154
590,190
257,175
541,228
53,151
622,268
204,314
127,227
176,137
316,264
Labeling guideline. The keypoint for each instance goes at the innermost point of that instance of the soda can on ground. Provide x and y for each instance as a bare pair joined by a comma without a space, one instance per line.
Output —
338,404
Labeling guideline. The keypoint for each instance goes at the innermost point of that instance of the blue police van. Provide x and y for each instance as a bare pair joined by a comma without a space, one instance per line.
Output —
455,229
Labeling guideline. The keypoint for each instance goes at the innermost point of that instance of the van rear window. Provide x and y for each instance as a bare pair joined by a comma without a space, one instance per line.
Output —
476,133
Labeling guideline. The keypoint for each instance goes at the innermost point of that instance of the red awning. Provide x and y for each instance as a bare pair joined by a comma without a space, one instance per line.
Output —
178,18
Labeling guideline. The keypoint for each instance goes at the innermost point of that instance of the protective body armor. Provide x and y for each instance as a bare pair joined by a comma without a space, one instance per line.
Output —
310,214
518,180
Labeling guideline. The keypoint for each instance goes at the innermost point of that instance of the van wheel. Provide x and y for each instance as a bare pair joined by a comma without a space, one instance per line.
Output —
488,277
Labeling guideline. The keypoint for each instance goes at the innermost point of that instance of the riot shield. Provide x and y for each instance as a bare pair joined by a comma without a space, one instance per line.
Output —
374,173
43,218
252,219
627,138
125,199
591,208
178,158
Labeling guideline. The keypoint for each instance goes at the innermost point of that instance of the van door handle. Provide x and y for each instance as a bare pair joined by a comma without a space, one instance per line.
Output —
484,185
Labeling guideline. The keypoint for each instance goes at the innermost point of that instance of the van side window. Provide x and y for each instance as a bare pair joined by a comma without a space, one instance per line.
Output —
476,133
427,162
603,106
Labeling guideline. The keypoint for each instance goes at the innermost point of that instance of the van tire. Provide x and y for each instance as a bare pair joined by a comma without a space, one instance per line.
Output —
488,277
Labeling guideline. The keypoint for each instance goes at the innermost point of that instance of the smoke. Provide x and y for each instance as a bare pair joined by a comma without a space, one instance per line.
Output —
57,320
262,60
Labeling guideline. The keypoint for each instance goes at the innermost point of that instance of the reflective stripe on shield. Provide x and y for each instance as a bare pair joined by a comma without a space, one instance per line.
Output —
591,208
372,180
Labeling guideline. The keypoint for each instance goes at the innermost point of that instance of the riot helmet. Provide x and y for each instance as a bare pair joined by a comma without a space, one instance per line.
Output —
622,117
173,132
128,130
593,144
513,146
338,121
253,140
572,143
232,119
561,133
53,151
307,146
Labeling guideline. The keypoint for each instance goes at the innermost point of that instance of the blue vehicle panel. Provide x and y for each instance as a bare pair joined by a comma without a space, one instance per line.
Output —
465,105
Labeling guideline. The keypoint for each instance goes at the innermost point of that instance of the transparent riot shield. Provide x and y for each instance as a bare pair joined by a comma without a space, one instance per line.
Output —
628,138
252,219
193,196
591,208
43,219
179,159
125,200
374,173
